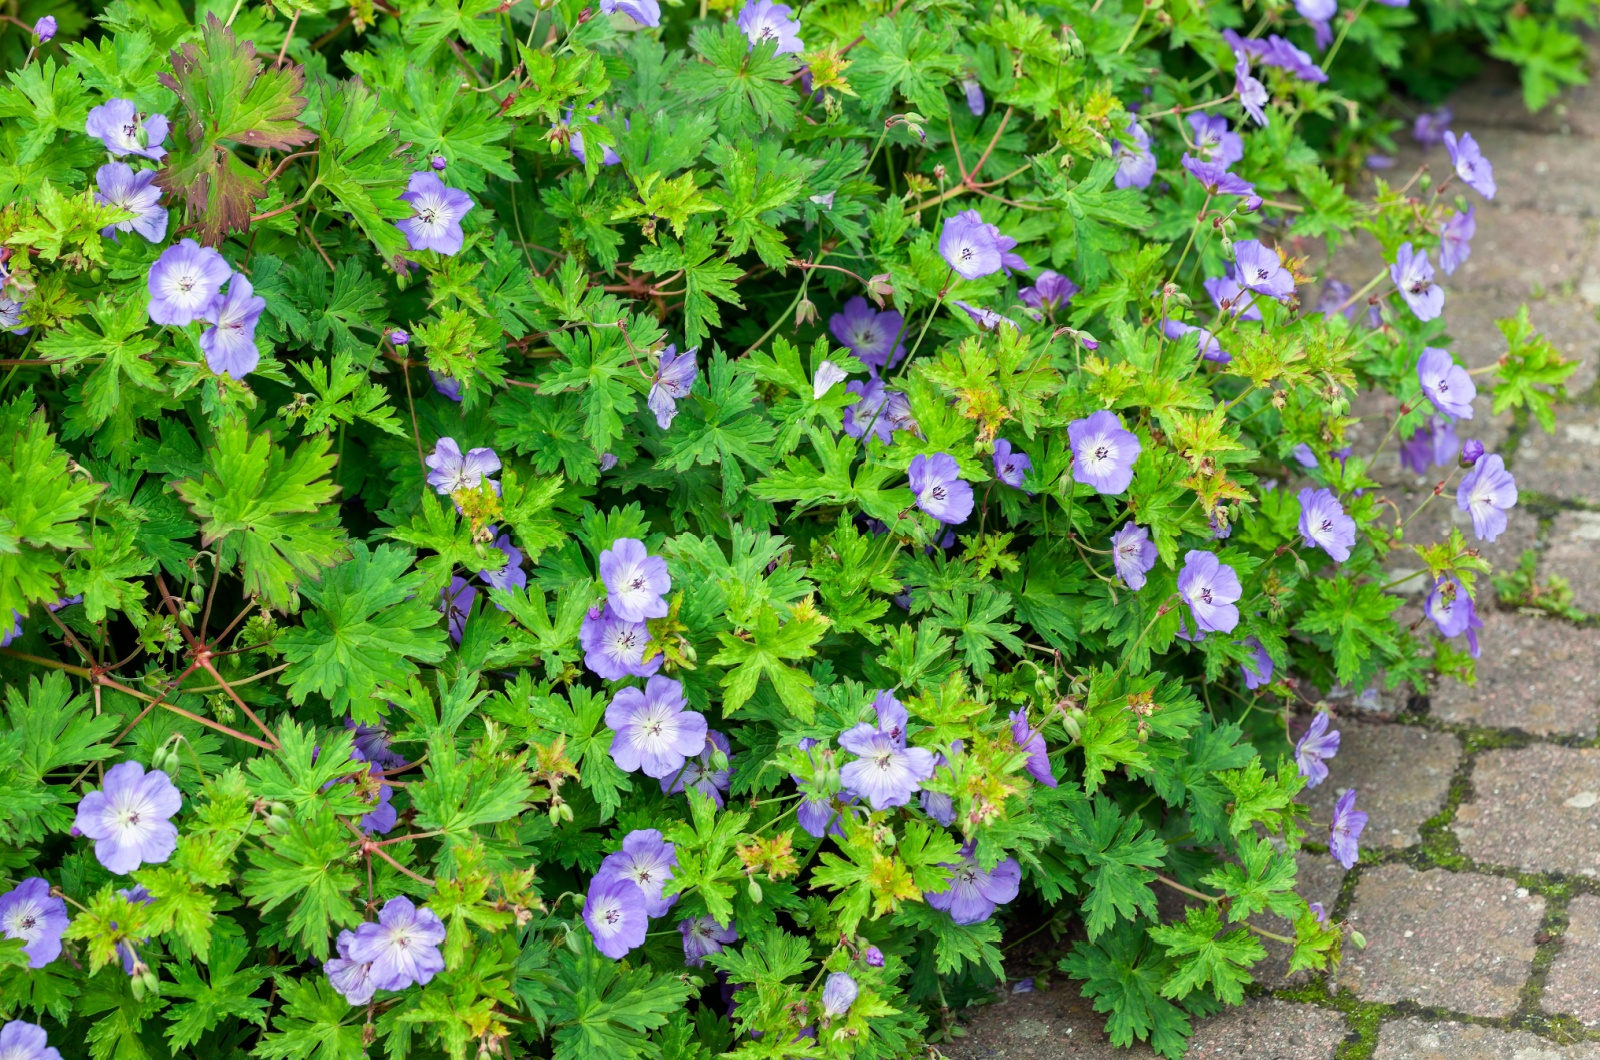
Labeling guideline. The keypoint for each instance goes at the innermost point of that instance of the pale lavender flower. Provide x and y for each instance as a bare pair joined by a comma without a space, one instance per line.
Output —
45,29
1252,93
1136,164
1434,443
1376,161
763,20
1314,748
969,246
457,606
511,576
1430,127
608,157
439,162
936,482
647,860
1488,491
702,936
1133,554
885,775
673,381
1456,239
1211,589
437,210
892,716
872,957
1305,456
1470,164
1103,452
1319,13
1280,53
1324,525
351,978
1257,670
614,910
1230,296
974,94
1205,343
839,993
1049,292
874,336
985,318
1448,385
11,632
1345,832
880,410
451,471
614,649
443,384
382,817
402,947
1261,270
11,314
701,772
25,1041
971,894
644,12
128,818
1215,178
230,342
1471,452
654,732
1010,465
124,131
1413,274
372,745
183,282
635,581
608,461
936,804
399,337
119,185
1031,740
1318,911
29,912
1215,141
1450,607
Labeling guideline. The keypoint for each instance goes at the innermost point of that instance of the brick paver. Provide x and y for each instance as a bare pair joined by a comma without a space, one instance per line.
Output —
1535,808
1401,773
1537,674
1414,1039
1573,985
1574,553
1565,464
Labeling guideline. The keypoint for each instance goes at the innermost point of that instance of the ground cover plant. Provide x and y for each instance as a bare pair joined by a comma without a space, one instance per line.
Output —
637,531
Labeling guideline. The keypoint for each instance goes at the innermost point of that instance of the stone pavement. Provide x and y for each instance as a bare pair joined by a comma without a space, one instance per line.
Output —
1478,892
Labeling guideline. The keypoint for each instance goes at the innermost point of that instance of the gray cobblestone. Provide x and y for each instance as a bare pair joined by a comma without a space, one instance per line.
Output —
1573,986
1574,553
1535,808
1402,775
1413,1039
1541,675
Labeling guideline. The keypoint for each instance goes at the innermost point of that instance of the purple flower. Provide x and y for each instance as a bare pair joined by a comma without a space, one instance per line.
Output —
1103,452
25,1041
1447,384
828,375
1451,609
936,804
45,28
1430,128
12,632
29,912
614,910
614,649
635,581
971,894
1133,554
1010,465
1205,342
764,20
1215,142
1252,93
1470,164
1050,292
1314,748
674,378
1324,524
1433,444
119,185
1031,740
987,319
892,716
1413,274
1305,456
183,282
399,337
11,313
1317,911
1488,491
349,977
939,488
974,94
230,342
839,993
124,131
885,775
1471,452
1346,830
1136,165
1261,270
644,12
511,576
128,818
437,210
702,935
608,157
608,461
701,773
880,410
372,745
1374,160
872,957
969,246
457,606
1215,178
646,860
1456,245
1280,53
382,817
439,162
1319,13
443,384
452,471
873,336
1210,588
654,732
402,947
1258,668
1231,297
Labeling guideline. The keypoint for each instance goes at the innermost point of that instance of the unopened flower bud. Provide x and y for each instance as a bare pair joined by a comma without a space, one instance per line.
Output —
939,172
277,824
879,288
873,957
147,976
805,312
755,891
45,28
165,759
1251,204
399,337
1471,451
438,162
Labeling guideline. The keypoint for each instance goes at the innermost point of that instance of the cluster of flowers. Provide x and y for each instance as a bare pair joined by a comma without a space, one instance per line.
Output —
400,950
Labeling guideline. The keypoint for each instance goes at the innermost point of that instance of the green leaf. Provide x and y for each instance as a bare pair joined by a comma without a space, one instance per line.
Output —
309,869
1118,852
707,276
1203,956
316,1023
1549,55
762,651
603,1009
1123,975
40,503
909,56
224,992
1532,362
